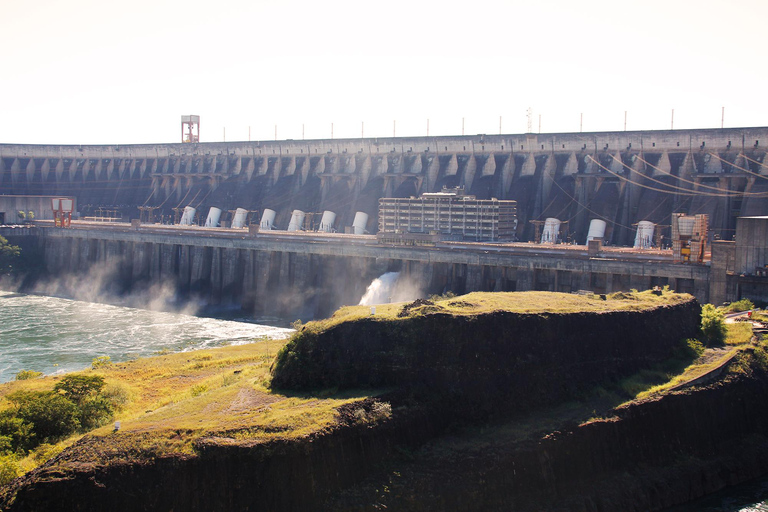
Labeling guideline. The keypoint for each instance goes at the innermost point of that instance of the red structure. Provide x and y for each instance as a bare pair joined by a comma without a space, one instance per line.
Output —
190,129
62,211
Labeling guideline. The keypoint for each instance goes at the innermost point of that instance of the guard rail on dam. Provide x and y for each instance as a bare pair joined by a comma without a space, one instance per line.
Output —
311,274
621,177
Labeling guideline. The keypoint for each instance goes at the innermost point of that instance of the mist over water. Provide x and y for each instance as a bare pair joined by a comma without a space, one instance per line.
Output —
389,287
50,334
101,284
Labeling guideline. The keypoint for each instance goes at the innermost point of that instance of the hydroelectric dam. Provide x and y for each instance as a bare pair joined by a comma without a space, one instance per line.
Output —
621,178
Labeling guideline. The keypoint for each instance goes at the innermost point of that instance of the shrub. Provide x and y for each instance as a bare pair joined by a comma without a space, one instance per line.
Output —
94,411
739,305
16,435
381,411
101,362
28,374
45,451
9,468
93,408
117,394
713,325
52,415
77,386
199,389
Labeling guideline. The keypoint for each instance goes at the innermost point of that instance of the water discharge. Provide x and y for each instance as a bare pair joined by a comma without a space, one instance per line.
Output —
50,334
388,288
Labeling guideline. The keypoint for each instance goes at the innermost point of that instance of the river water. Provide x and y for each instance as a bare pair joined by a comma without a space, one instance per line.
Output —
50,334
748,497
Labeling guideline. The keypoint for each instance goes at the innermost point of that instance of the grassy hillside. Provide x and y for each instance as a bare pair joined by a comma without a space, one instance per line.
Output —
477,303
169,402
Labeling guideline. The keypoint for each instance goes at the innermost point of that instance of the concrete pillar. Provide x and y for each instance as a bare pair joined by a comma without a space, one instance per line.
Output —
140,261
663,168
529,166
571,165
185,268
167,257
248,292
262,279
287,166
474,280
453,166
261,166
302,167
640,283
200,266
84,255
155,262
524,279
215,275
470,170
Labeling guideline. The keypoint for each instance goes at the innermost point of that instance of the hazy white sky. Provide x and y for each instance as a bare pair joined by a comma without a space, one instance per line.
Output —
95,71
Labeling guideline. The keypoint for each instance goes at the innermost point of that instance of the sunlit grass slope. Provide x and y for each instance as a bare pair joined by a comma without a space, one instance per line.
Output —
477,303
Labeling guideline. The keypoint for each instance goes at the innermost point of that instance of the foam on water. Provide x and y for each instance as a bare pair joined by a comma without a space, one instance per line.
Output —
50,334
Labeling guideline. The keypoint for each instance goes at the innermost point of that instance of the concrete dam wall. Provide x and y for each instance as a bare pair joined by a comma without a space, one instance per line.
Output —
309,277
620,177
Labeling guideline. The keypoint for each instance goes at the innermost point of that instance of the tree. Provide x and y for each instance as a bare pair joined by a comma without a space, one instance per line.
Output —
77,386
713,325
93,408
52,415
9,254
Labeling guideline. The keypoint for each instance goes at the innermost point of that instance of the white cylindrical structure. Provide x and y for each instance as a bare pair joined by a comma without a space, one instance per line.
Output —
188,217
214,215
596,229
267,219
685,225
297,221
238,221
551,231
326,223
360,222
644,236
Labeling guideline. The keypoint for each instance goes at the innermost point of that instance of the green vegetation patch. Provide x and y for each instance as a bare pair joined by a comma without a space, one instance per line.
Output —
478,303
164,405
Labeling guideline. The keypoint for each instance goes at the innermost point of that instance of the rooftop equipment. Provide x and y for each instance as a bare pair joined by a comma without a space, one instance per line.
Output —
360,222
238,221
551,232
188,217
297,220
596,230
214,215
644,236
326,223
267,219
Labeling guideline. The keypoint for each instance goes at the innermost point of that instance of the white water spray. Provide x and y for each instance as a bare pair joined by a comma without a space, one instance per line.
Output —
380,290
390,288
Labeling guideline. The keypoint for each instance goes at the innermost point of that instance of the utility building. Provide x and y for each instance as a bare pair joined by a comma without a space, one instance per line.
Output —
446,215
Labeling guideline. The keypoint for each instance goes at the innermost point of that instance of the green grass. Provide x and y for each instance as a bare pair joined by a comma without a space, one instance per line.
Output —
172,400
738,333
476,303
738,306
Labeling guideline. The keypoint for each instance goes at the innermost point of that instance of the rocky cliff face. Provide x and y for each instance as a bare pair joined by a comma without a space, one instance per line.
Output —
649,455
489,362
645,456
